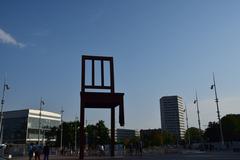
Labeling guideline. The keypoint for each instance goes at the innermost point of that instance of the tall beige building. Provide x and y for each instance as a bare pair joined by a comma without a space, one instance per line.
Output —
172,115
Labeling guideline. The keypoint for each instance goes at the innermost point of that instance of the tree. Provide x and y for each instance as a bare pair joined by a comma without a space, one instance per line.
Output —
212,132
97,134
169,138
69,129
157,138
51,135
230,126
102,133
195,135
91,132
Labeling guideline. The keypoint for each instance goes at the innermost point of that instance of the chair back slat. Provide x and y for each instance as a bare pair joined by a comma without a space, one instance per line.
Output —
93,85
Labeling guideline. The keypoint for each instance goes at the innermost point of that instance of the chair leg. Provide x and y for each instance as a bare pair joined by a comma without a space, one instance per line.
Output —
81,155
112,130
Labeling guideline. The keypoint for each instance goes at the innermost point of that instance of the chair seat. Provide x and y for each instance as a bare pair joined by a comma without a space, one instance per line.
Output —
104,100
101,100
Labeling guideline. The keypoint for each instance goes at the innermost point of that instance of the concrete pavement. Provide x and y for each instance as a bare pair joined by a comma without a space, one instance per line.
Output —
190,155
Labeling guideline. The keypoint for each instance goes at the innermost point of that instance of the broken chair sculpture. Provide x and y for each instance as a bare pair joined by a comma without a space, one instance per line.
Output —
101,99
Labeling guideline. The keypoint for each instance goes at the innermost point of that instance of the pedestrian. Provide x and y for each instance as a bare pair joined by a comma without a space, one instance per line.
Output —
131,149
141,147
46,152
30,151
101,150
37,151
136,146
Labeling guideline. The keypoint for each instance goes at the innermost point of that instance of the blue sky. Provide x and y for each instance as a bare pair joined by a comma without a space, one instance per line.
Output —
159,47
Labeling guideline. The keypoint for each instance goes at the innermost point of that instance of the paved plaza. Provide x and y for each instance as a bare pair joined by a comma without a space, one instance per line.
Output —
157,156
189,156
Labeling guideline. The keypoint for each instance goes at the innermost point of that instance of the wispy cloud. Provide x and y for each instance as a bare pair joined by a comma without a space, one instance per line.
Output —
8,39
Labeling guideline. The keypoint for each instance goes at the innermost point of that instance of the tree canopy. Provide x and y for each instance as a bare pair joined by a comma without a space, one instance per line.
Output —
230,127
158,138
194,134
95,134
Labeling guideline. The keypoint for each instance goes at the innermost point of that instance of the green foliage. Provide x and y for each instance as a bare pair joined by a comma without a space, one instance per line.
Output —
230,126
102,133
169,138
97,134
194,134
158,138
51,135
69,129
212,132
132,140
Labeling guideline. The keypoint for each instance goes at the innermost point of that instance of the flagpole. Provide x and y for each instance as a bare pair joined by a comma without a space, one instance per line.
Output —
5,86
189,141
39,122
61,139
218,112
199,122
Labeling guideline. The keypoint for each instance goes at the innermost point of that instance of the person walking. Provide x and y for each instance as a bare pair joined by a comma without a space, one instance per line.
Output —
30,151
37,149
46,152
141,147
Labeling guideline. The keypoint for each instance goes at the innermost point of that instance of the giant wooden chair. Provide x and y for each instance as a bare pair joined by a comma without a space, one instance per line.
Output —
101,99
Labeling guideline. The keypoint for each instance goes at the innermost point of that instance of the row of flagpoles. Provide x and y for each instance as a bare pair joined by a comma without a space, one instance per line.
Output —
213,86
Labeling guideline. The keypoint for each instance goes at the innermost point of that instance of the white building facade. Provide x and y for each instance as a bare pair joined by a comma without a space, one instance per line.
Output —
22,126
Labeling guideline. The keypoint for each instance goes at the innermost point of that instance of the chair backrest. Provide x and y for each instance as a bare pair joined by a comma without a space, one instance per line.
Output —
93,85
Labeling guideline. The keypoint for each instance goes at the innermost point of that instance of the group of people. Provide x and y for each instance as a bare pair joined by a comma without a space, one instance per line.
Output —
36,150
136,147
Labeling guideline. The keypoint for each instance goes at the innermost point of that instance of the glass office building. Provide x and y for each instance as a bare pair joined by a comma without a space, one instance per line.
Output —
123,134
22,126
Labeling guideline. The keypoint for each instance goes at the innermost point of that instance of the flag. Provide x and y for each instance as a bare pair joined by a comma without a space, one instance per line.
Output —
212,86
42,101
7,86
195,101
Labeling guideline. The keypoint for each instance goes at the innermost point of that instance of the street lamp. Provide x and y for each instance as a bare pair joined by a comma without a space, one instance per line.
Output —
5,87
76,120
213,86
188,134
40,116
196,102
45,128
61,139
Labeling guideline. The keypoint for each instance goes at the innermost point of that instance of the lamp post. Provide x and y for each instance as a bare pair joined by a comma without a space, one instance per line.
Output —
196,102
40,116
188,134
61,139
5,87
76,120
45,128
213,86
